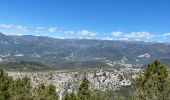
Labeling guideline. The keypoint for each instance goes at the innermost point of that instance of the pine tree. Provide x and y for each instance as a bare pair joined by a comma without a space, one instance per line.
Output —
46,92
21,89
70,96
5,82
84,92
154,84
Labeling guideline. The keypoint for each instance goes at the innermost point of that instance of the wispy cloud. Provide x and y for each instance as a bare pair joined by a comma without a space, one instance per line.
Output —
13,27
83,33
140,35
39,29
69,32
31,29
53,29
5,26
116,34
166,35
21,28
86,32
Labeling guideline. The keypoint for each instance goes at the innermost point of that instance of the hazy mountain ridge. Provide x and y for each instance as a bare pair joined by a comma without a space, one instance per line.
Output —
69,53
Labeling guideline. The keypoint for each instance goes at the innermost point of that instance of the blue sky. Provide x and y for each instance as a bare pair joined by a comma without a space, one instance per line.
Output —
147,20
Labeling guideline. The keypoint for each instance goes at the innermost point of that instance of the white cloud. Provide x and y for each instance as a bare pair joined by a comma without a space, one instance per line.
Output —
13,27
39,29
166,35
140,35
116,34
69,32
5,26
143,36
53,29
86,32
31,29
20,28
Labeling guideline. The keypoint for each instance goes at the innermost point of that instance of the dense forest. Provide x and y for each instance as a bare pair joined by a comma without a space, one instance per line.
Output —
153,84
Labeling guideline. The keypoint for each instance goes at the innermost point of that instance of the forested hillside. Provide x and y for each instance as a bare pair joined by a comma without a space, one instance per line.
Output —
81,53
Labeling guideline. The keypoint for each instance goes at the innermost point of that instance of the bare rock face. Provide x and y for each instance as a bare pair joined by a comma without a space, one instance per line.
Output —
100,79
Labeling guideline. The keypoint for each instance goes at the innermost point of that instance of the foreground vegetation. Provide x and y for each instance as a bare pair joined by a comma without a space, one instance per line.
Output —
153,84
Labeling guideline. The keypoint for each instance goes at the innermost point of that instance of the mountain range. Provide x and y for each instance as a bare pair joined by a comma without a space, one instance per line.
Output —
79,53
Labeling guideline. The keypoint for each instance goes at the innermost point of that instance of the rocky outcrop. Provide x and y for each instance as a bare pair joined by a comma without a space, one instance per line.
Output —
100,79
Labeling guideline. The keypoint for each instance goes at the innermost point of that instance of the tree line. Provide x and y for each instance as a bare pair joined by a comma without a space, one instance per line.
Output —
153,84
